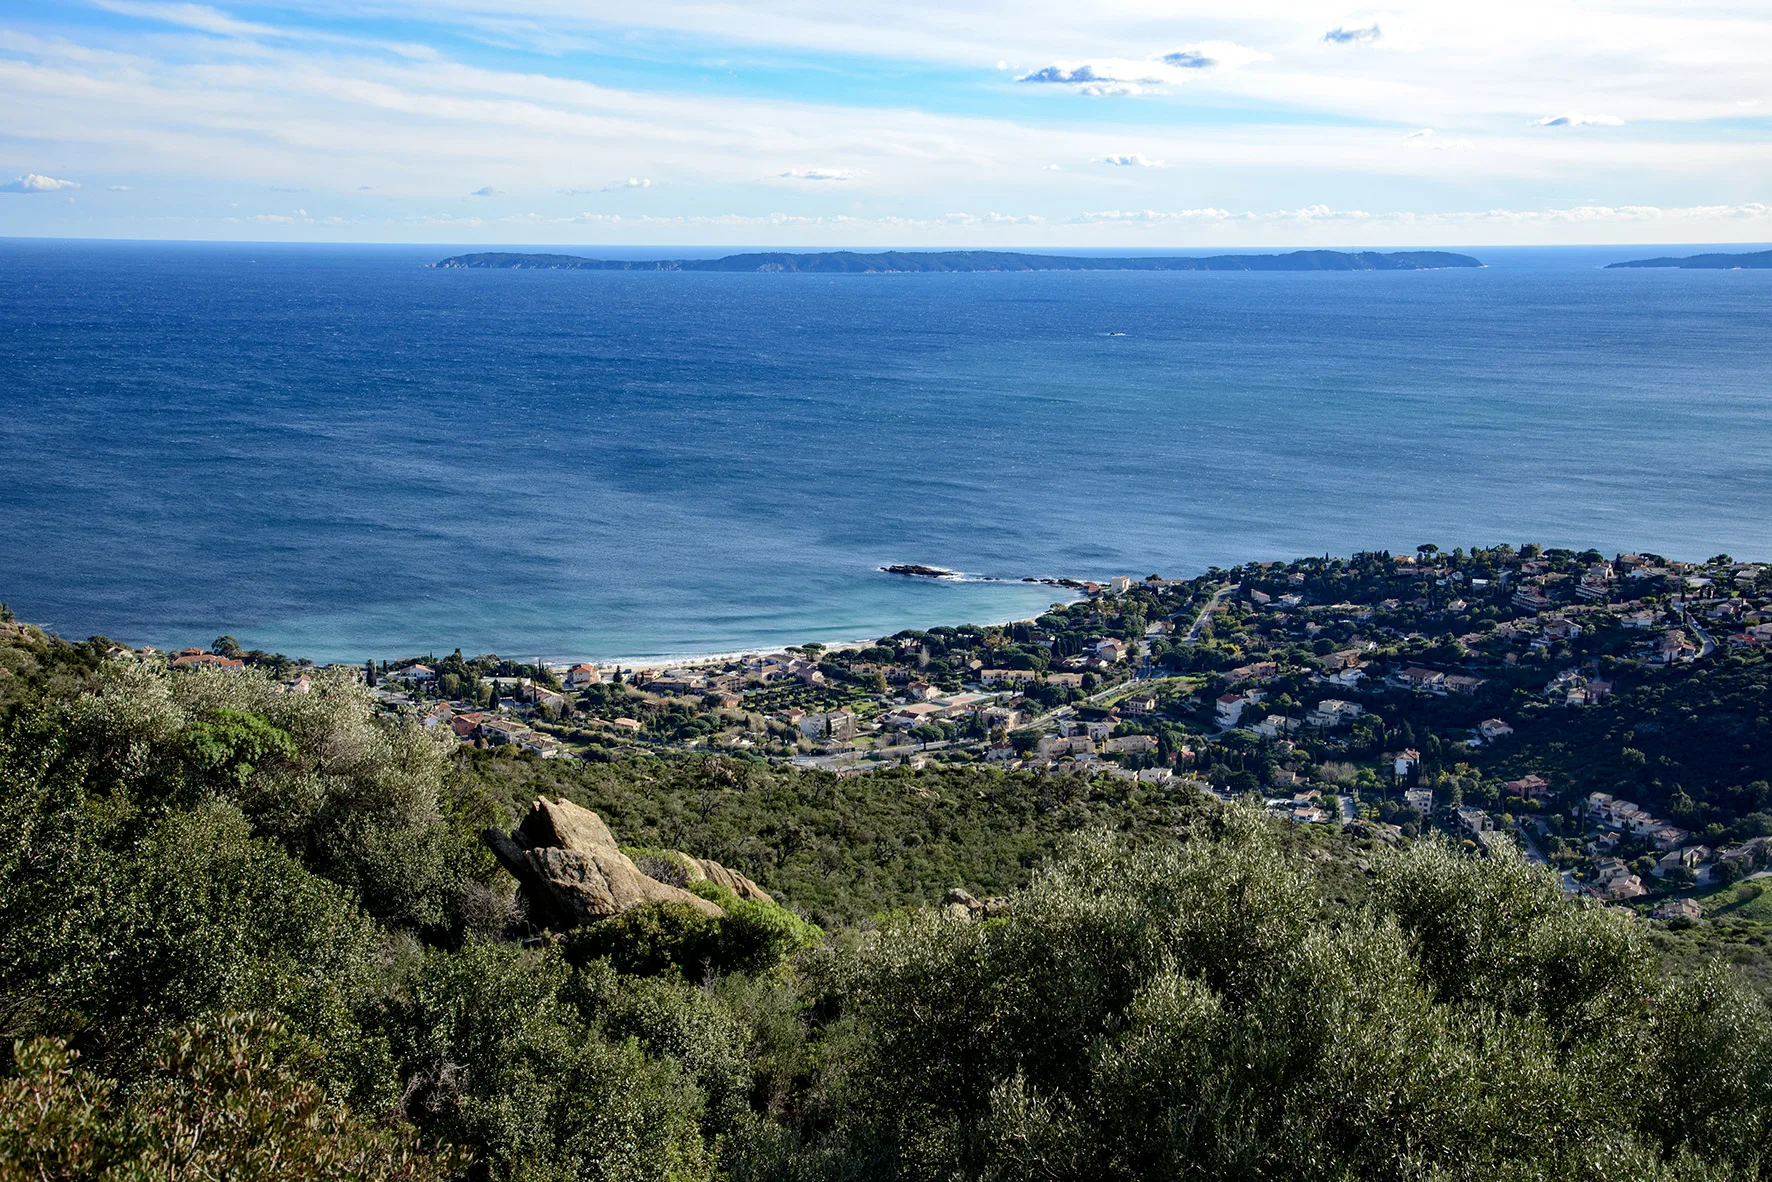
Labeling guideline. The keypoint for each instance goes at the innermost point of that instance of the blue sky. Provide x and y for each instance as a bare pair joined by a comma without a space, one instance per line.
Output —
1145,123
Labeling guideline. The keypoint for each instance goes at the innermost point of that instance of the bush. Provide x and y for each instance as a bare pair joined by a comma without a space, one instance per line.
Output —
228,1098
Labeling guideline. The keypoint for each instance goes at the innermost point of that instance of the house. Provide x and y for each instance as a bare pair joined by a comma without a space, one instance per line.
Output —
1491,729
919,691
1528,786
1229,707
1614,882
1140,704
580,676
837,725
1405,762
1333,712
1562,628
1271,726
916,714
1258,671
554,703
1686,909
1690,858
1007,677
1130,745
1074,680
1111,650
1347,658
467,725
419,673
1420,799
1675,646
499,731
628,725
203,660
1531,599
1458,683
1415,677
1119,584
1006,717
1155,775
1665,837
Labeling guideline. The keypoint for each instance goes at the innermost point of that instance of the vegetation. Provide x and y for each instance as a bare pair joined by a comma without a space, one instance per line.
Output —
251,933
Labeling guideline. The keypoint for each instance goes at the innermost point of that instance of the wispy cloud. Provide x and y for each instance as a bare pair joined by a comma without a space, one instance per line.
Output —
485,191
119,189
1432,140
33,182
1130,160
1363,35
1573,120
1615,214
819,174
1118,76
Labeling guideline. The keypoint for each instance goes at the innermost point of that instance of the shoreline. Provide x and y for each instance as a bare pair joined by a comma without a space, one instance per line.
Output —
696,660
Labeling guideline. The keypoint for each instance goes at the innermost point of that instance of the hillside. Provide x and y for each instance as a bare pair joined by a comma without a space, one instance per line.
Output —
243,923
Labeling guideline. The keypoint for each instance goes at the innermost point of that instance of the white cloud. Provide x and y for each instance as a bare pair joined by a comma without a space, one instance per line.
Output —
485,191
1363,35
1053,168
1578,121
819,174
119,188
33,182
1130,160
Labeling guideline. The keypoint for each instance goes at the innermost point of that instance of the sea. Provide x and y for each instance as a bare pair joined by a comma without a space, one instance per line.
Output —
338,452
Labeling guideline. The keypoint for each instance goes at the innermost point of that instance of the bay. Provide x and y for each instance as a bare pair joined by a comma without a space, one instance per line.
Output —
337,452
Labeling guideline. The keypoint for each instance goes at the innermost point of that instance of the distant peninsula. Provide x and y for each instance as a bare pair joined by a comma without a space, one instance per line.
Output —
902,262
1758,260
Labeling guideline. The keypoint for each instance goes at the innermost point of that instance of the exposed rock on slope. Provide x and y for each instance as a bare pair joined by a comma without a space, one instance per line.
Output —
572,872
960,904
677,868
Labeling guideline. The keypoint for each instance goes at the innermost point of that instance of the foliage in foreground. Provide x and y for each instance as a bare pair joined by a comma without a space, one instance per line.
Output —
1192,1010
181,851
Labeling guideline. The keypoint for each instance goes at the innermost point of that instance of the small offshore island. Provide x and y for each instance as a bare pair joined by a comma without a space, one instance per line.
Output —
1755,261
894,262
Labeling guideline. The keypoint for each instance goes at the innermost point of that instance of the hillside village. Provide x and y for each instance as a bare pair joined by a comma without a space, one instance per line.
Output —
1387,693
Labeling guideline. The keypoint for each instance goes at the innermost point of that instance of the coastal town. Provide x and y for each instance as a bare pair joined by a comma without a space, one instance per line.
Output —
1390,694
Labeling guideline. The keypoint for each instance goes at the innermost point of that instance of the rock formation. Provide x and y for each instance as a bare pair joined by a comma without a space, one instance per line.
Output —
677,868
961,905
572,872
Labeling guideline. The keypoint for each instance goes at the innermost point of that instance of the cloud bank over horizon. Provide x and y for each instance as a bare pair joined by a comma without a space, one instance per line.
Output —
502,120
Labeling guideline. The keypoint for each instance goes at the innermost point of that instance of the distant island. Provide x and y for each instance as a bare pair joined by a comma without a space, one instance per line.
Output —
901,262
1706,262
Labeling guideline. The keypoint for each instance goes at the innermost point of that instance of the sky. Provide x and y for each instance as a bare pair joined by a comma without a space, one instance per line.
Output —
1027,123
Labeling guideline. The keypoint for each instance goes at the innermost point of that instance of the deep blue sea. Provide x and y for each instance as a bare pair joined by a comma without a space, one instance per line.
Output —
336,452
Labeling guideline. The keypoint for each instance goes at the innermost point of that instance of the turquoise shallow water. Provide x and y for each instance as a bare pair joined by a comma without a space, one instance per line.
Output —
337,452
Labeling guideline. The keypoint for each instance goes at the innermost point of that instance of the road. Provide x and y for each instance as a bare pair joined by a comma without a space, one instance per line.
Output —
1704,639
1218,597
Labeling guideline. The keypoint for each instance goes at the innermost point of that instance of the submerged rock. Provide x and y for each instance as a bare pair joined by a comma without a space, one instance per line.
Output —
572,872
